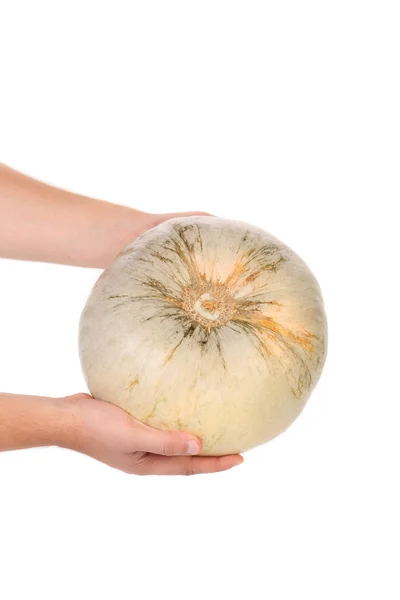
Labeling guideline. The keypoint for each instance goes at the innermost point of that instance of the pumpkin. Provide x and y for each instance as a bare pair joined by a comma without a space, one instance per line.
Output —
209,326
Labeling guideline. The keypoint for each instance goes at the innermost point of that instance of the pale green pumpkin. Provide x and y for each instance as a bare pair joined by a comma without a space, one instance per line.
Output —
209,326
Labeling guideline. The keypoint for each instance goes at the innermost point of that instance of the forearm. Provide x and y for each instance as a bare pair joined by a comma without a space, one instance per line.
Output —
29,421
39,222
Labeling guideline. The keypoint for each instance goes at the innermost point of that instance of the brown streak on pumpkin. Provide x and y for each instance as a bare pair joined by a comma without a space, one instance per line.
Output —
168,267
268,266
257,261
118,296
153,410
171,353
132,383
162,292
249,304
219,347
262,327
215,440
199,238
188,258
260,320
255,337
161,257
243,241
238,270
126,251
188,333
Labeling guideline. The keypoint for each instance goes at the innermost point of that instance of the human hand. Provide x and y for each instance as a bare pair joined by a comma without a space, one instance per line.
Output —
110,435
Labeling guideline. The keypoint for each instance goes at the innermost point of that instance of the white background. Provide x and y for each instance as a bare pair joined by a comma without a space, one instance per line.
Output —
283,114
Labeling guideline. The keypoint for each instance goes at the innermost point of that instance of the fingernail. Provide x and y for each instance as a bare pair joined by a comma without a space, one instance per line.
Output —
192,447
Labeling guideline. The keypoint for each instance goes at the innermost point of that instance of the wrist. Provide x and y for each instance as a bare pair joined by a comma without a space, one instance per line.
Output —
121,226
56,423
69,432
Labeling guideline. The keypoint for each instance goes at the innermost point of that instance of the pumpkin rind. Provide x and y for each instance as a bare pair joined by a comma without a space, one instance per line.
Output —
209,326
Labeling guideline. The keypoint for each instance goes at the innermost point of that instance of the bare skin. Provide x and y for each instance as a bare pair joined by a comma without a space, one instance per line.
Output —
39,222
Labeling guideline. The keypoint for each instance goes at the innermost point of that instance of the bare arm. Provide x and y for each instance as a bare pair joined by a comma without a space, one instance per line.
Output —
28,421
40,222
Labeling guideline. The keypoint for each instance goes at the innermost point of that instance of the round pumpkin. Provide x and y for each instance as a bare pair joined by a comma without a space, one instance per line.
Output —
209,326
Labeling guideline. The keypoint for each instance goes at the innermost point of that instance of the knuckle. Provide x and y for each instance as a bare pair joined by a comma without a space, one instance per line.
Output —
170,447
142,465
188,470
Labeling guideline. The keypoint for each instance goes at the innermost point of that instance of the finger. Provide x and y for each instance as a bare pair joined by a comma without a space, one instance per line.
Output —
187,214
195,214
187,465
167,443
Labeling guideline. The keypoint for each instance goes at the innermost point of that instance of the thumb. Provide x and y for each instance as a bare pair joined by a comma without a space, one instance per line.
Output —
168,443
